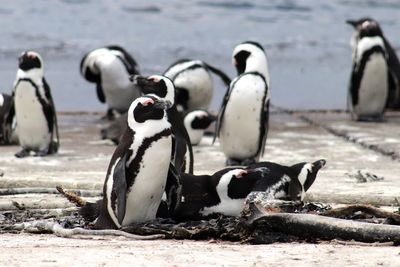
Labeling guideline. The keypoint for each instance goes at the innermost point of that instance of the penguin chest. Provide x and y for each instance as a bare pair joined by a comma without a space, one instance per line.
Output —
145,194
32,127
198,84
241,124
373,91
117,88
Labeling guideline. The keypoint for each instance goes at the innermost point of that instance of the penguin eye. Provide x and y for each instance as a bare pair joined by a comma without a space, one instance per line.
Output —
148,102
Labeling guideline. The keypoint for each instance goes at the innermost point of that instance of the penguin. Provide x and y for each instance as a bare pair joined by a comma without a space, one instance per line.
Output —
138,171
369,82
242,124
226,191
35,112
7,119
110,67
196,122
286,182
164,88
392,59
193,83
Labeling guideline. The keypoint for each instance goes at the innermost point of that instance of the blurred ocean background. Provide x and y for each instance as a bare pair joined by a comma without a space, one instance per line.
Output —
307,41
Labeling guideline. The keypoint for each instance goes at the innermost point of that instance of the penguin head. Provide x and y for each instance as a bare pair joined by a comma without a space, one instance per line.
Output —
237,183
158,85
198,119
363,27
305,174
147,109
30,60
250,56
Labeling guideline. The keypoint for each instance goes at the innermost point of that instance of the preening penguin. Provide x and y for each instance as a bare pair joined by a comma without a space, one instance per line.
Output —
138,170
163,88
369,82
110,68
196,122
193,83
242,124
225,191
392,59
34,108
286,182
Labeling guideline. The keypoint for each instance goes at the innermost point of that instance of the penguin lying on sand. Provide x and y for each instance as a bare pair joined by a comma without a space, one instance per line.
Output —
242,124
138,173
196,122
193,83
226,190
110,67
370,78
392,59
34,108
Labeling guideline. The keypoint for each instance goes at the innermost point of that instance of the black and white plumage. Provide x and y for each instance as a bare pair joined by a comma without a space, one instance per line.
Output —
137,174
242,124
286,182
392,59
226,191
163,87
369,82
110,68
34,108
196,122
7,119
193,83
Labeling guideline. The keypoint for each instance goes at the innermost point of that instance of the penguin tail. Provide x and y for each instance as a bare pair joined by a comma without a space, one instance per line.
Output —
73,198
90,211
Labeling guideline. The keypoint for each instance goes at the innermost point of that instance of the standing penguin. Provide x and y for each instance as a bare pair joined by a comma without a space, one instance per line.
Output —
193,83
110,67
138,170
242,124
7,118
392,59
163,88
369,82
34,108
196,122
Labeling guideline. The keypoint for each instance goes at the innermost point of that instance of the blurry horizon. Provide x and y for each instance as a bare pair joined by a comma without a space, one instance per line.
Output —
307,42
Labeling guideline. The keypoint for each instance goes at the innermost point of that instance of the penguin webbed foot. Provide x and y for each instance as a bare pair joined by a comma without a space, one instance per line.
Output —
42,153
23,153
248,161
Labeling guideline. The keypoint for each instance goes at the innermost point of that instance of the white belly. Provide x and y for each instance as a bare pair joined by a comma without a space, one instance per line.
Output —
373,90
229,207
199,84
240,129
32,127
144,198
118,89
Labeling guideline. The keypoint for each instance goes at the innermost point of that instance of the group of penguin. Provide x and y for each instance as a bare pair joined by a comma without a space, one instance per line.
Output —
157,119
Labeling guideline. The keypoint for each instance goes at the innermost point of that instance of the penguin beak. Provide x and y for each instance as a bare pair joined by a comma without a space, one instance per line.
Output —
319,164
352,22
163,105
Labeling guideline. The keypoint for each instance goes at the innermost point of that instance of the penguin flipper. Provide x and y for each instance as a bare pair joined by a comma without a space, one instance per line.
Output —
219,73
8,122
120,188
51,116
221,113
264,126
173,189
100,92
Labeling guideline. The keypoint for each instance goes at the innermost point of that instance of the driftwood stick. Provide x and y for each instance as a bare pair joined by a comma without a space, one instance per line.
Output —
41,190
326,228
58,230
347,211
